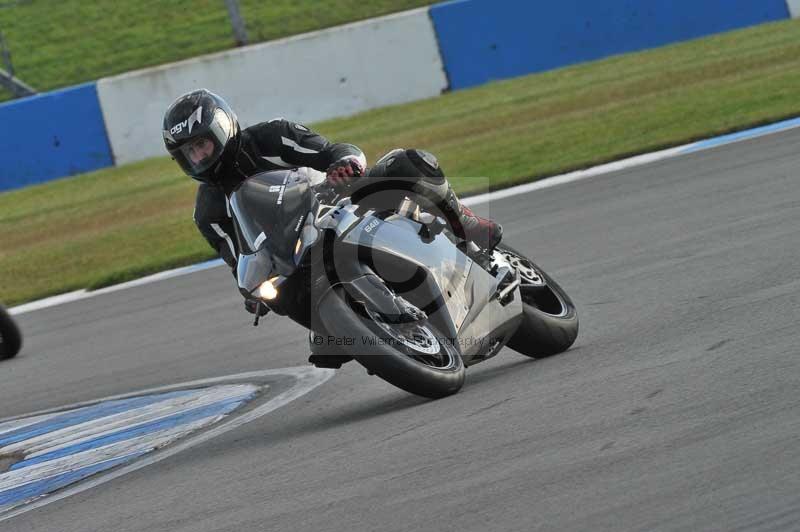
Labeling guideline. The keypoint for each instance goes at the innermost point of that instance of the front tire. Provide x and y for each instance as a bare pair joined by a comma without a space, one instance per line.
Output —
10,337
414,357
550,319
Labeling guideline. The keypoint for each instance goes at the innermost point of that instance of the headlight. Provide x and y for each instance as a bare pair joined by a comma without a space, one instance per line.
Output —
267,290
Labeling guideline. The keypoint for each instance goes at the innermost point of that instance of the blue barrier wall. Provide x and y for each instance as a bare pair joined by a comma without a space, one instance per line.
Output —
52,135
483,40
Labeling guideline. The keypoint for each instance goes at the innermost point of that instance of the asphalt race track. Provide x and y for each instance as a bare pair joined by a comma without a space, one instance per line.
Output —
677,408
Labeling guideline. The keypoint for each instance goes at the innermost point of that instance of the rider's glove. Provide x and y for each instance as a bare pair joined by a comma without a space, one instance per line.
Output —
252,306
344,171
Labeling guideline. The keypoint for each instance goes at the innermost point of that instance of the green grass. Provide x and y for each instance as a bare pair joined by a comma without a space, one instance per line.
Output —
121,223
57,43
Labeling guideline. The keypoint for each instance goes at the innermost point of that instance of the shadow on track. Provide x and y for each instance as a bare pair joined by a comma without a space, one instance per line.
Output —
480,376
334,417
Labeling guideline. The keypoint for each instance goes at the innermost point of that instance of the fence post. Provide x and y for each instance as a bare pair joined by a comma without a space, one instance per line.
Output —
239,31
16,87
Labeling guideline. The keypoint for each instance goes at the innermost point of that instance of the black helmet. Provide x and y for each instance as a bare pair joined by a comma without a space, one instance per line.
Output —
201,133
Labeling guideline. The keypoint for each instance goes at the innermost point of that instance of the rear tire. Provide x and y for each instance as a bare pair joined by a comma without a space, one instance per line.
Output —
10,336
550,319
413,357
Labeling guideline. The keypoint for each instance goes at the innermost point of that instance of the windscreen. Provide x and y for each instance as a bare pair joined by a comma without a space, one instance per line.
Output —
271,209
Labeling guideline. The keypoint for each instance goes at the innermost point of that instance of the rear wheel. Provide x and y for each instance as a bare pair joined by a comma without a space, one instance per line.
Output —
550,321
412,356
10,337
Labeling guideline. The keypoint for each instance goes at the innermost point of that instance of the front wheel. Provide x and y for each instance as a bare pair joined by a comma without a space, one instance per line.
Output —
10,337
550,320
414,357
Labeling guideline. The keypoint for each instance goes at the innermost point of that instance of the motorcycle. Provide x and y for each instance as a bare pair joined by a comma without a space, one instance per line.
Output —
10,336
392,288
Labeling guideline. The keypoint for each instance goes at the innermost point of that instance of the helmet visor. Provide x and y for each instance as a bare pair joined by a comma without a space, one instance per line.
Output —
199,154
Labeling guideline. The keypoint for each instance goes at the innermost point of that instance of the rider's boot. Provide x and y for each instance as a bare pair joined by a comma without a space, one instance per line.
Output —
485,233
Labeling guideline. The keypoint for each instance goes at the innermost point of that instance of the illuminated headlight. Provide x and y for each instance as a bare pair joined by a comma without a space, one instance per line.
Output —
267,290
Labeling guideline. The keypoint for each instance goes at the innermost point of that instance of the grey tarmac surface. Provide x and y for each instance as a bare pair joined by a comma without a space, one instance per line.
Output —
677,408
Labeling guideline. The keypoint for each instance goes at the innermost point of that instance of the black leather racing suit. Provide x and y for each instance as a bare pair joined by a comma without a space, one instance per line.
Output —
281,144
266,146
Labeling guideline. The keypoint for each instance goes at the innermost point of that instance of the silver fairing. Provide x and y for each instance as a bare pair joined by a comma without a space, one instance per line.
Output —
397,252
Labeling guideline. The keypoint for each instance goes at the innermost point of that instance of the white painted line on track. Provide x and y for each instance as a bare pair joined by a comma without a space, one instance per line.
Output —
526,188
15,425
85,294
633,162
572,177
306,379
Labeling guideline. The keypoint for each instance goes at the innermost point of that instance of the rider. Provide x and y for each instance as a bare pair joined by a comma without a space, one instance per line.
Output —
202,134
